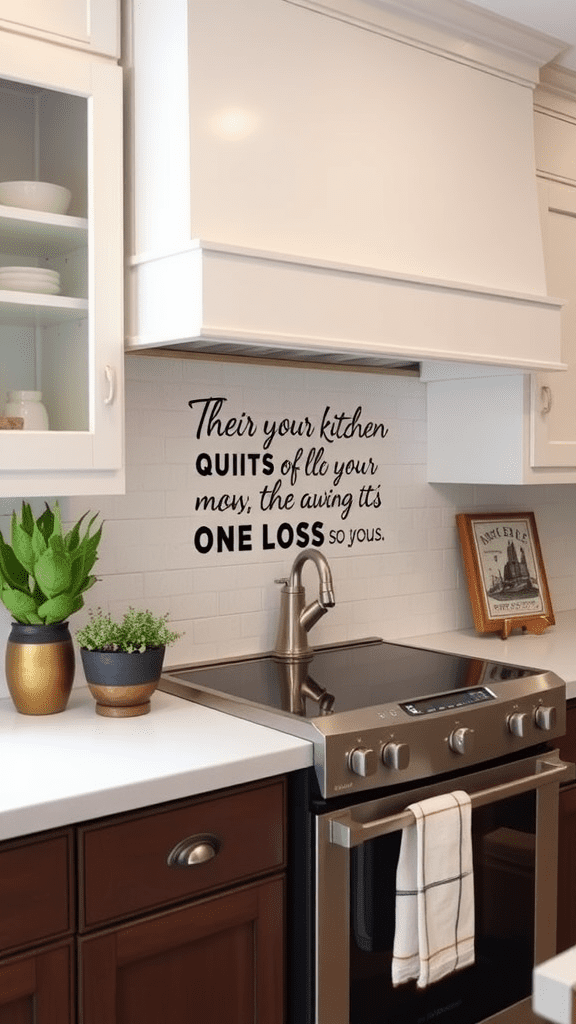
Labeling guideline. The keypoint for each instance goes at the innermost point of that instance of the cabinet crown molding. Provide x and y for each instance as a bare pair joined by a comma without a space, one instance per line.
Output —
455,29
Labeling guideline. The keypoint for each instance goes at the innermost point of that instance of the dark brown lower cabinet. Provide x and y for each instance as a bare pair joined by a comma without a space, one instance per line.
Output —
37,987
37,919
196,938
218,960
170,913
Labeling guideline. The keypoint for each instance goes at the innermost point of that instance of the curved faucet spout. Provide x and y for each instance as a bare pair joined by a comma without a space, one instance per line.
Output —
326,588
296,619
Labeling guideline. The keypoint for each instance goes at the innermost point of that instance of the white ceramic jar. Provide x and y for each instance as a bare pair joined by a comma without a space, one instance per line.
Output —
28,405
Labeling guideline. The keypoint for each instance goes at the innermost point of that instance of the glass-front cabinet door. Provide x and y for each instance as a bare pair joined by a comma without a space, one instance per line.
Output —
60,270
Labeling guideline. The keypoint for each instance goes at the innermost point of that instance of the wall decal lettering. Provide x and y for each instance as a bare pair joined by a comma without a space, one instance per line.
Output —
303,481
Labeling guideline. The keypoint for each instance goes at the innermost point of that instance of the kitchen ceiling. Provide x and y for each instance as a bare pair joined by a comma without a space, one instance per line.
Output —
553,17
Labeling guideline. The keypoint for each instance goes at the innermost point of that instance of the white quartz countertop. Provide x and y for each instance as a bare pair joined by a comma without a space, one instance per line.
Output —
76,765
554,650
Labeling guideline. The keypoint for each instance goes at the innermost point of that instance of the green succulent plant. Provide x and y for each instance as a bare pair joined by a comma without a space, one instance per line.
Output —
136,632
44,571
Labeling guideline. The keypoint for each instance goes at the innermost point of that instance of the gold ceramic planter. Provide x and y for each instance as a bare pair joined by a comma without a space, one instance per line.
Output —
40,667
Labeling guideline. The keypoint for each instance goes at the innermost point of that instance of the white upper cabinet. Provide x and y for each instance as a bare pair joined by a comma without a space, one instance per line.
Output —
521,428
61,122
553,420
339,179
87,24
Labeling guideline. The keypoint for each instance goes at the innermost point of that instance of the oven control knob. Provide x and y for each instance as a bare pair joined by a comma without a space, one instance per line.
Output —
396,756
462,740
363,761
517,723
545,718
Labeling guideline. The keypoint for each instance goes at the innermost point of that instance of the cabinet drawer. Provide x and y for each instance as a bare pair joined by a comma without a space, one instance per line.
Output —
124,861
36,887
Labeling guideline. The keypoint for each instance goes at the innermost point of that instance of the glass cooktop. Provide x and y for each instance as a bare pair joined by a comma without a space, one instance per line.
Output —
347,677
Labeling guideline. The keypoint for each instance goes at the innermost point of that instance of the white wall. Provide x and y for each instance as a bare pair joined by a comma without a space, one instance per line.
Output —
410,582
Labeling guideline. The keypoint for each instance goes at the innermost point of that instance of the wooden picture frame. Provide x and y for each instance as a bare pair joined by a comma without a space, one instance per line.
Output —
505,572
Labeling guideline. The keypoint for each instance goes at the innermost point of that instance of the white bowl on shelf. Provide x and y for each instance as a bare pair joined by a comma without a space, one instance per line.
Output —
35,195
29,279
22,285
39,273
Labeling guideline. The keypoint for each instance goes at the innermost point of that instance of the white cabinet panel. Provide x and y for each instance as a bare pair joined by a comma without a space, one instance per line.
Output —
89,24
554,394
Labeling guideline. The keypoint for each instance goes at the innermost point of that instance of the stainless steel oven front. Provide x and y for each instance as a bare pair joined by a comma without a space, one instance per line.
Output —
352,900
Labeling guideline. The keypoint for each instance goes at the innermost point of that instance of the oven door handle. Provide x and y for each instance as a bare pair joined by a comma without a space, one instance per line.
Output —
346,831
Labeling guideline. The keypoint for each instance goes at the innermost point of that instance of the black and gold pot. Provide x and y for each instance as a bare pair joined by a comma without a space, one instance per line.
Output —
122,683
40,667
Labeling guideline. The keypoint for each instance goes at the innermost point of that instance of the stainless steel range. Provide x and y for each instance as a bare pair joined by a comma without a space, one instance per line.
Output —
392,724
380,714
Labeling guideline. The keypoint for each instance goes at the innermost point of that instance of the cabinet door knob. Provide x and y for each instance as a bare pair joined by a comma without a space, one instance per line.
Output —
546,398
193,850
110,377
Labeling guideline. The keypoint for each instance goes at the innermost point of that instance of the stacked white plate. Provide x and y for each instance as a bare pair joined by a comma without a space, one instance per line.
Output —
30,279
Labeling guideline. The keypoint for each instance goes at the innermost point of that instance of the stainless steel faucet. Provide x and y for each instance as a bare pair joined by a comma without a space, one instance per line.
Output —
296,619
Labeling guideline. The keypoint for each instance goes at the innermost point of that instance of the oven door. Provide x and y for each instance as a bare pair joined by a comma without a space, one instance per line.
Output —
515,848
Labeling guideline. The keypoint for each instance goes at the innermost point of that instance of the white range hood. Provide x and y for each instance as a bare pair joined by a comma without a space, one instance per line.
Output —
345,180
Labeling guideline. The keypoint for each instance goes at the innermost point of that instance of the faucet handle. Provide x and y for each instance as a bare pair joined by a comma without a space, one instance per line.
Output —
283,579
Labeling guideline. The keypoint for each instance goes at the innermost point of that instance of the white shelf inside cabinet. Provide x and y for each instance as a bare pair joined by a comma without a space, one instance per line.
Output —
33,233
37,310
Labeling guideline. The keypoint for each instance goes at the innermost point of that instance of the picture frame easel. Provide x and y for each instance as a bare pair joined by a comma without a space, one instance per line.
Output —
505,572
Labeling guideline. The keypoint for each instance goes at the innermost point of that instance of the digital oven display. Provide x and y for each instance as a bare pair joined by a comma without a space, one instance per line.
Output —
448,701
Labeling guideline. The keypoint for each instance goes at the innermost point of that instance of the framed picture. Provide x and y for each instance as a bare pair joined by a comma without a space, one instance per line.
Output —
505,572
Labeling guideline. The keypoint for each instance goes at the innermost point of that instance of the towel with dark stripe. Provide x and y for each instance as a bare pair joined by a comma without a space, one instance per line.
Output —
434,933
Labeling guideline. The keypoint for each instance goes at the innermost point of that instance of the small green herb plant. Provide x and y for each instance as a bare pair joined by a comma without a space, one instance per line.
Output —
44,571
136,632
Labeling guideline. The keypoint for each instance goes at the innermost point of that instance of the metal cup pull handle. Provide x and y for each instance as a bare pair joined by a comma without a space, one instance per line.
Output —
194,850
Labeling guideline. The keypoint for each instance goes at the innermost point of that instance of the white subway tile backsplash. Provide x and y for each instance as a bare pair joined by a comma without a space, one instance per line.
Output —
218,578
564,594
413,496
197,371
168,582
141,394
231,602
428,519
178,450
442,537
150,451
154,369
218,629
193,606
136,505
118,587
380,586
261,627
153,531
413,407
164,477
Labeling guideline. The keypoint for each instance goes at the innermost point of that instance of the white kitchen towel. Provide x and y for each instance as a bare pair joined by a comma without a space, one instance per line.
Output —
434,932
